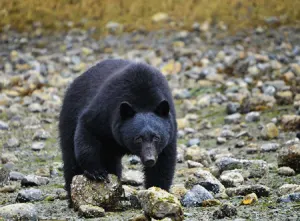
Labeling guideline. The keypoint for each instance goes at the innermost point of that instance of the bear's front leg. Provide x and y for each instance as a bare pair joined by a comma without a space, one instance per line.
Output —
161,174
88,153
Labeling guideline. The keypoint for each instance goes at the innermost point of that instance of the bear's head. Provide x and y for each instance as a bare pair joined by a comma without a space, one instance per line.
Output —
145,134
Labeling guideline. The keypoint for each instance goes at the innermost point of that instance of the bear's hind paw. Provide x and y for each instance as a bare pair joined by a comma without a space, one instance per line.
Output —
98,175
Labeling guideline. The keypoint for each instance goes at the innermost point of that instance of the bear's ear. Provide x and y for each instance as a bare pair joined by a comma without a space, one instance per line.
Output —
163,109
126,110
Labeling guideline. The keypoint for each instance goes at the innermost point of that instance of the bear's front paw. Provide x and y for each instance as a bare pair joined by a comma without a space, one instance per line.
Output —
100,175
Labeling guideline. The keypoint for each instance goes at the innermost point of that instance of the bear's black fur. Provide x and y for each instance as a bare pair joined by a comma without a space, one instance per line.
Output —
118,107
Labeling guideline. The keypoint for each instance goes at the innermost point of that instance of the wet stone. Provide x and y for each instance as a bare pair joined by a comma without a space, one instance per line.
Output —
14,175
233,118
196,196
132,177
292,197
259,190
3,125
225,210
290,156
88,211
252,117
231,178
29,195
286,171
19,211
37,146
33,180
12,143
41,135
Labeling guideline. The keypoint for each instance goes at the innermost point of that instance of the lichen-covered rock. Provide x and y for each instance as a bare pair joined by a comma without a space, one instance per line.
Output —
269,131
290,122
259,190
197,154
130,194
286,171
89,211
132,177
205,179
96,193
19,211
159,204
178,190
231,178
288,188
290,157
225,210
257,103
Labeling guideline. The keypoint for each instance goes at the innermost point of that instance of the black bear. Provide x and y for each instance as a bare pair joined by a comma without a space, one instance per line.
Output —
118,107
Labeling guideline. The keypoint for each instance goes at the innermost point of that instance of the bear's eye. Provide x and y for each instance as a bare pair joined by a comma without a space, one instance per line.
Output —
156,138
138,140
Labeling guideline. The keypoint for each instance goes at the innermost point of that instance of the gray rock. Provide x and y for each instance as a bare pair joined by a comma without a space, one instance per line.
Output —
3,125
15,176
37,146
288,188
221,140
12,143
233,118
196,196
194,141
290,156
259,190
114,27
106,195
132,177
252,117
8,157
205,179
159,204
257,168
35,107
33,180
240,144
134,160
227,133
231,178
293,197
286,171
269,147
29,195
19,211
193,164
41,135
232,107
88,211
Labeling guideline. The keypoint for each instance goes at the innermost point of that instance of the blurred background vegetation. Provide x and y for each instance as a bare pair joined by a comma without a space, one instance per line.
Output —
63,14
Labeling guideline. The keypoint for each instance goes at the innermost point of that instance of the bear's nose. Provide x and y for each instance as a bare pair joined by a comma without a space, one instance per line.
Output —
149,162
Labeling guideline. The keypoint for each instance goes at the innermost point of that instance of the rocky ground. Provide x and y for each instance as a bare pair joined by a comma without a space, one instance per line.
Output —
237,99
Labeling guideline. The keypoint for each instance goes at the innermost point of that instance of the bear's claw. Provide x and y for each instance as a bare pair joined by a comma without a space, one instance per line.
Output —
98,175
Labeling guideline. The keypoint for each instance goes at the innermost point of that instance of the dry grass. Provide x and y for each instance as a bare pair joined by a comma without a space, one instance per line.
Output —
55,14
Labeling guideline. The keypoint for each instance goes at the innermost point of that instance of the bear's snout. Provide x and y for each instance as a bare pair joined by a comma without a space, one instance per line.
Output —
148,155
